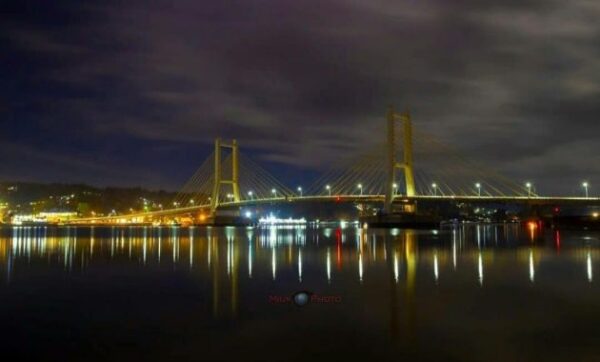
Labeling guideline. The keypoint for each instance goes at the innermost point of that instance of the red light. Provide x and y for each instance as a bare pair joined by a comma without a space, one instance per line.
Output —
556,210
337,199
338,240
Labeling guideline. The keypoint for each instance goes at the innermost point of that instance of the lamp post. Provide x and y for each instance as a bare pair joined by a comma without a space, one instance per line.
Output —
478,185
250,193
585,187
528,185
360,188
274,192
300,191
434,187
328,189
395,186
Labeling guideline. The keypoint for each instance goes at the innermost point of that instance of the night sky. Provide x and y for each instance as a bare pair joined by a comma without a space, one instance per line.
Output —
133,92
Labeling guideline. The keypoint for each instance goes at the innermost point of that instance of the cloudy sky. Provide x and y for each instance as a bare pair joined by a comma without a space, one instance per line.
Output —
133,92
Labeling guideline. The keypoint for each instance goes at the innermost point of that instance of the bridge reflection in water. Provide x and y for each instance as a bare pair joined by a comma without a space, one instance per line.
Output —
388,271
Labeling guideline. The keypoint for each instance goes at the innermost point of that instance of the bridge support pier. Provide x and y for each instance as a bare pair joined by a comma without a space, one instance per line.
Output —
392,164
219,179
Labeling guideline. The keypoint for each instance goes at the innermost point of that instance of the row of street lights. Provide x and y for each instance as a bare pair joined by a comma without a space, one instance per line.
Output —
585,185
434,188
529,187
478,186
359,186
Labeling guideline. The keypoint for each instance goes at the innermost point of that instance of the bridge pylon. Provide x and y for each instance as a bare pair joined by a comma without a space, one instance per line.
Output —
218,177
392,163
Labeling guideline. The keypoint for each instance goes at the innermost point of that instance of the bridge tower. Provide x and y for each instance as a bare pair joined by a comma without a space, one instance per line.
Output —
219,180
407,163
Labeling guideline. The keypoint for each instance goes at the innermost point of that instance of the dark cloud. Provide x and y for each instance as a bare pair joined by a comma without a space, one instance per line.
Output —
515,84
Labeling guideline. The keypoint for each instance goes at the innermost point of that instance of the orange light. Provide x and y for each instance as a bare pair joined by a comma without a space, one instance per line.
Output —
338,238
532,226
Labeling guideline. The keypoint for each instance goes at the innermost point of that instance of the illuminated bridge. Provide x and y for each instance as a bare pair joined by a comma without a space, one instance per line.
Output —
228,181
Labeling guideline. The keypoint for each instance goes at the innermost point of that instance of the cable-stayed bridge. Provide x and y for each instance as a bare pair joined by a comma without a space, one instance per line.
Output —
394,176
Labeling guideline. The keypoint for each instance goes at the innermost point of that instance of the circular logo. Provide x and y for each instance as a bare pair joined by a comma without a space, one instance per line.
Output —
301,298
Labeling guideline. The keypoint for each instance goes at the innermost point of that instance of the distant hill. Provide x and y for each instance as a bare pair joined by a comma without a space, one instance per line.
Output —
27,197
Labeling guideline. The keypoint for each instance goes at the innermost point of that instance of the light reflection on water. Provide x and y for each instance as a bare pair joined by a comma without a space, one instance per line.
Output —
77,248
404,277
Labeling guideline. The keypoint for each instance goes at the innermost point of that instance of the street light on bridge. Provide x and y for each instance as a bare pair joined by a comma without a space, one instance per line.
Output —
395,186
434,187
328,189
250,193
528,185
585,186
360,188
300,190
274,192
478,185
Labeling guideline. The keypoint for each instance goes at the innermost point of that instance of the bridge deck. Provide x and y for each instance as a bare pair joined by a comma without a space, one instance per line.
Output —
537,200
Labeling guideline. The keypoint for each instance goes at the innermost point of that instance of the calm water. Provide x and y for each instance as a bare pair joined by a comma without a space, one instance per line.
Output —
487,293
